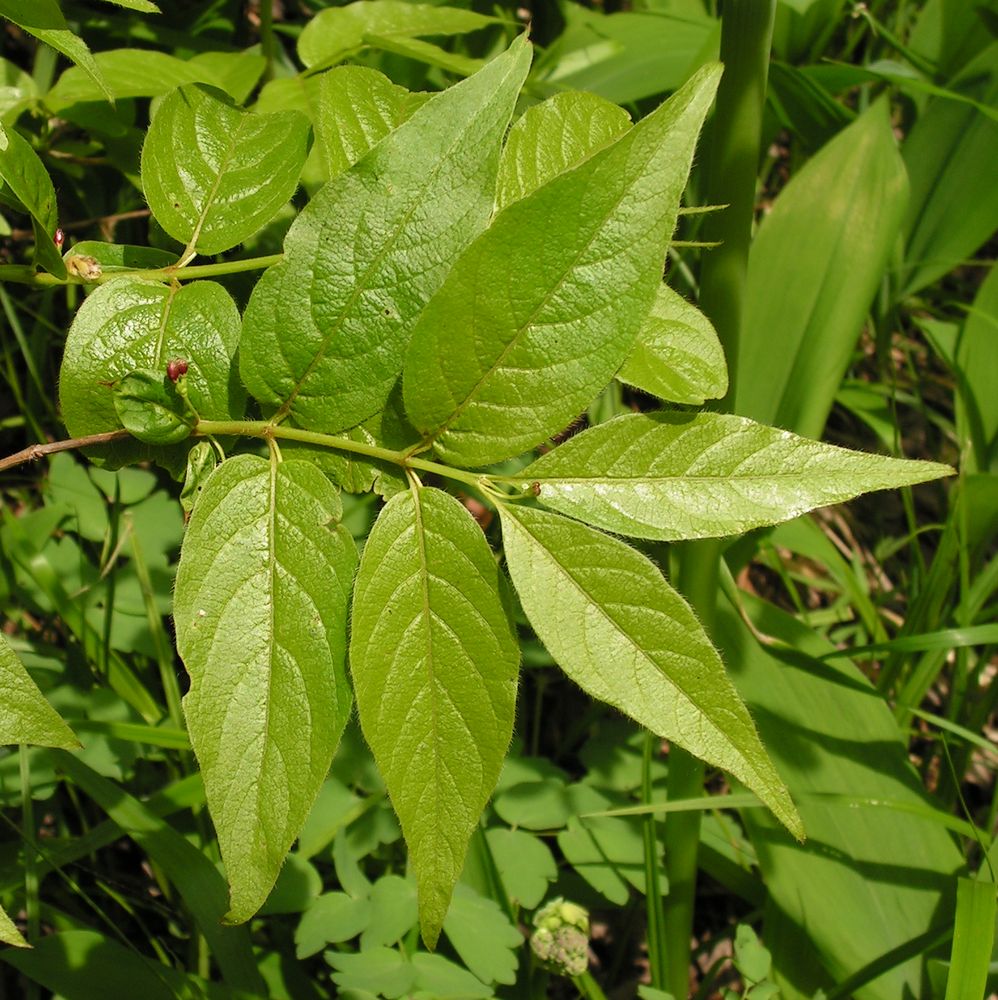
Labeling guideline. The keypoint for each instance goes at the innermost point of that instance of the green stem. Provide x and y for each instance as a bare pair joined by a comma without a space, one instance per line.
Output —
24,274
657,940
732,165
31,901
266,430
588,987
267,37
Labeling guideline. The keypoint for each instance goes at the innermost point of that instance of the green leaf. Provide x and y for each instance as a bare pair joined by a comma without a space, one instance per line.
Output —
85,965
150,408
673,476
192,873
553,292
553,137
143,6
44,20
525,864
326,329
130,73
394,911
131,323
357,108
214,174
828,731
434,667
814,268
383,971
631,54
120,255
25,715
336,32
202,460
627,638
973,936
30,183
9,934
332,918
677,355
482,936
260,611
949,155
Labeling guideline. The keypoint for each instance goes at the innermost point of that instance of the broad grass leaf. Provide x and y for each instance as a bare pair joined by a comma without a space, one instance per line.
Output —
950,155
977,401
28,180
214,174
326,329
629,55
356,109
973,939
131,323
434,667
85,965
44,19
260,612
190,871
677,355
541,311
814,268
336,32
868,880
25,715
673,476
553,137
627,638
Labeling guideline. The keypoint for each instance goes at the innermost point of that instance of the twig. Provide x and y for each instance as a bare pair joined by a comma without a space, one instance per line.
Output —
36,451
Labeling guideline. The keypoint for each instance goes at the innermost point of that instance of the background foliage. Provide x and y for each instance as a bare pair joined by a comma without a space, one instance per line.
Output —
862,638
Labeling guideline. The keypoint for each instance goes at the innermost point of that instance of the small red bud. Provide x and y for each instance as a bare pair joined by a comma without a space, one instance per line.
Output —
176,368
59,238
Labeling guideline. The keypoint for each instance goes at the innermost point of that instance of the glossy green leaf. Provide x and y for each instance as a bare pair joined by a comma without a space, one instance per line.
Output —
326,329
25,715
950,154
672,476
9,934
482,936
130,73
973,938
556,289
677,355
130,323
336,32
868,881
357,108
28,180
627,638
814,268
434,667
260,611
553,137
420,50
44,19
631,54
213,174
151,409
191,872
120,255
237,73
144,6
18,91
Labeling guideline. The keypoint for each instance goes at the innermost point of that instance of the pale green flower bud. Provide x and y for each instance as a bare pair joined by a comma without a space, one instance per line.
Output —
561,940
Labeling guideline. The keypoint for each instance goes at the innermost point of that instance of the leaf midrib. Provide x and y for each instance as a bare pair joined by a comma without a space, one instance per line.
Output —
552,558
362,285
